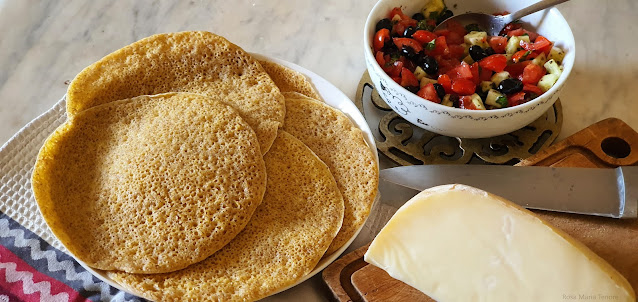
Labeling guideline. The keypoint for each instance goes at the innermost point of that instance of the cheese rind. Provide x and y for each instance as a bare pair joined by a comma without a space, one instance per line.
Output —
459,243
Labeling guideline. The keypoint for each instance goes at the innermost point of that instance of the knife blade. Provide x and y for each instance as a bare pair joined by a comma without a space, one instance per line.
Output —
590,191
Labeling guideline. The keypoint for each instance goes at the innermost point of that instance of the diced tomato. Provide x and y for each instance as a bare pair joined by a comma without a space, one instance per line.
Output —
503,13
520,32
456,27
445,65
462,71
440,47
532,89
498,43
380,38
456,51
544,45
509,27
394,69
407,63
397,79
474,68
495,62
408,78
380,58
532,73
524,55
541,45
457,31
446,82
397,11
485,74
398,29
516,69
400,42
423,36
465,102
431,23
428,92
442,32
516,99
463,86
454,38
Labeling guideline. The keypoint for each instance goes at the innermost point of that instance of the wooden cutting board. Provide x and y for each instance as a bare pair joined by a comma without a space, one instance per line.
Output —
607,144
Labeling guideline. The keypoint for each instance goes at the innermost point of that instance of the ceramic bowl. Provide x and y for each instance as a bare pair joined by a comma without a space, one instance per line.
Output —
458,122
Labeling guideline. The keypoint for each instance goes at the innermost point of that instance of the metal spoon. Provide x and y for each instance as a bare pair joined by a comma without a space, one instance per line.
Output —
494,24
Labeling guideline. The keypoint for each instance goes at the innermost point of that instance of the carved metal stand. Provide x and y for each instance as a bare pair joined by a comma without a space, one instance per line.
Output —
407,144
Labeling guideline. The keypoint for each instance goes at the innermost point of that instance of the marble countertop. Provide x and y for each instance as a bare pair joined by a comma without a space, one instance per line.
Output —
44,44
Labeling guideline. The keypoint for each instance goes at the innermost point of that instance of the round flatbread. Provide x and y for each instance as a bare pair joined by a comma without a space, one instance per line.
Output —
289,80
196,62
150,184
287,236
340,144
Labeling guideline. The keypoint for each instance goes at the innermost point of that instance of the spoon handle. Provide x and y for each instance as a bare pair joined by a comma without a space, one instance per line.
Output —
535,7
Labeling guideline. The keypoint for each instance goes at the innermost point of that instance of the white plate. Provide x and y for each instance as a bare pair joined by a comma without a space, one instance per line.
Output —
333,97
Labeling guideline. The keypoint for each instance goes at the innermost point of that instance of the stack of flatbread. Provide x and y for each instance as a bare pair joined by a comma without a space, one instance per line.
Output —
189,170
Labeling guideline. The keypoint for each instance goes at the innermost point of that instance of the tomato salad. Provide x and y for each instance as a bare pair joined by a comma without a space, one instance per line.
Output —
462,66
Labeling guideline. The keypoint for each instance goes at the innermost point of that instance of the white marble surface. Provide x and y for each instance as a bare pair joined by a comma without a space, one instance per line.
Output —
44,44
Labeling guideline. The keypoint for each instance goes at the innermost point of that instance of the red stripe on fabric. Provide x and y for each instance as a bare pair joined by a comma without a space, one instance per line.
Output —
17,288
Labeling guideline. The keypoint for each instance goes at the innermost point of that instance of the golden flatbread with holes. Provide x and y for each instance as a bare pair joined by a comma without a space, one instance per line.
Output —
196,62
340,144
150,184
289,80
290,231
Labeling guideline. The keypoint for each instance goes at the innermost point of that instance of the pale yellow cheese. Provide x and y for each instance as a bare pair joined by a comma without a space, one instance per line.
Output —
458,243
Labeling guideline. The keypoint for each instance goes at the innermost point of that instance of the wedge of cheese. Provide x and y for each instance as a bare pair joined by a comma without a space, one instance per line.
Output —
459,243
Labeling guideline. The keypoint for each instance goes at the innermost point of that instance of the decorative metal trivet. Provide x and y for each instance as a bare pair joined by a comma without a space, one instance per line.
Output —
407,144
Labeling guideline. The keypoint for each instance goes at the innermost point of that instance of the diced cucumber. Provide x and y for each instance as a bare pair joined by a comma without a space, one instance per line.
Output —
477,101
540,60
553,68
419,73
477,38
425,80
446,101
523,38
486,86
468,59
513,45
496,99
433,6
556,54
498,77
547,81
508,56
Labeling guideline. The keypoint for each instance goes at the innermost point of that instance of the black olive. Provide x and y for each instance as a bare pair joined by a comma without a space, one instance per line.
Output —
481,93
409,31
489,51
477,53
408,52
509,86
440,91
383,23
429,65
413,89
443,16
455,100
390,48
418,16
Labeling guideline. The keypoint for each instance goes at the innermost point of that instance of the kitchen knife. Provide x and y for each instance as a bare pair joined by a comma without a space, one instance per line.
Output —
591,191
